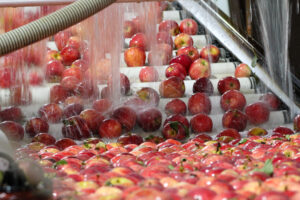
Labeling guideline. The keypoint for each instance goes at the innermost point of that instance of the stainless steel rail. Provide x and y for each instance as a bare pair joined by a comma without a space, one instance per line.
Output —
235,43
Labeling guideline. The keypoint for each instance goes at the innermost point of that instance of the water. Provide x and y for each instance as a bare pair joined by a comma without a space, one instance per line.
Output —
275,29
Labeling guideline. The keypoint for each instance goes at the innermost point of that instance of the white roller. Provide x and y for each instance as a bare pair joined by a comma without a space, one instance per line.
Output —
172,15
4,97
5,146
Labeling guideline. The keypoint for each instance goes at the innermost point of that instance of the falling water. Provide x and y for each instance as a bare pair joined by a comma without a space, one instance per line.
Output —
275,29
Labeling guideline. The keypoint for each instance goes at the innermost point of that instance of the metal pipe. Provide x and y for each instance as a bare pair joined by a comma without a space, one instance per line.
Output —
24,3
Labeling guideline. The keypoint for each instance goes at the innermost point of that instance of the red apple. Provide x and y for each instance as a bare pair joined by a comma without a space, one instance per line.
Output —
257,113
126,116
35,78
102,105
270,100
232,99
201,193
283,130
130,138
128,29
64,143
92,118
139,40
53,55
73,99
58,94
169,26
149,119
199,103
201,123
73,71
69,83
199,68
229,134
110,128
228,83
75,128
72,110
54,70
176,69
172,87
234,119
6,77
183,40
87,89
124,83
257,131
210,53
175,106
35,126
160,54
178,118
11,113
203,85
75,42
174,130
69,55
297,123
50,112
148,74
190,51
149,96
242,70
44,138
81,64
139,23
184,60
61,39
12,130
164,37
134,57
189,26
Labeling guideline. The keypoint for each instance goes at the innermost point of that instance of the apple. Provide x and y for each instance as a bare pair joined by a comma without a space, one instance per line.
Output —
81,64
184,60
73,99
69,83
134,57
110,128
6,77
235,119
87,89
139,23
75,128
130,138
283,130
72,110
149,119
54,71
44,138
35,126
169,26
232,99
164,37
35,78
203,85
73,71
201,123
233,134
242,70
174,130
139,40
61,39
176,69
58,94
189,26
228,83
126,116
92,118
172,87
148,74
257,131
124,83
102,105
210,53
190,51
183,40
160,54
199,103
69,54
297,123
257,113
105,93
12,130
199,68
175,106
76,42
12,113
270,100
128,29
201,193
51,112
149,96
53,55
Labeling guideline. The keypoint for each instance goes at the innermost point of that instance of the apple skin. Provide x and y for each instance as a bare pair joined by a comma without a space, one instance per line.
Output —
6,77
58,94
35,78
139,40
201,123
164,37
183,40
45,138
203,85
210,53
257,131
124,84
242,70
134,57
178,118
283,130
169,26
149,119
160,54
73,71
92,118
13,130
35,126
54,71
75,128
270,100
201,193
53,55
148,74
81,64
199,68
257,113
175,106
110,128
184,60
130,138
69,83
234,119
176,69
228,83
190,51
199,103
188,26
232,99
126,116
172,87
297,123
61,39
51,112
12,113
69,54
230,132
128,29
149,96
174,130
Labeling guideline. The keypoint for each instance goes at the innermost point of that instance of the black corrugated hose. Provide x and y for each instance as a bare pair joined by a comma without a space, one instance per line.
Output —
51,24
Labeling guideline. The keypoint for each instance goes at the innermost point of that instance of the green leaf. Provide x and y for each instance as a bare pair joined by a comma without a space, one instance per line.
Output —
288,137
254,61
267,168
174,125
86,145
140,162
61,162
243,141
171,167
